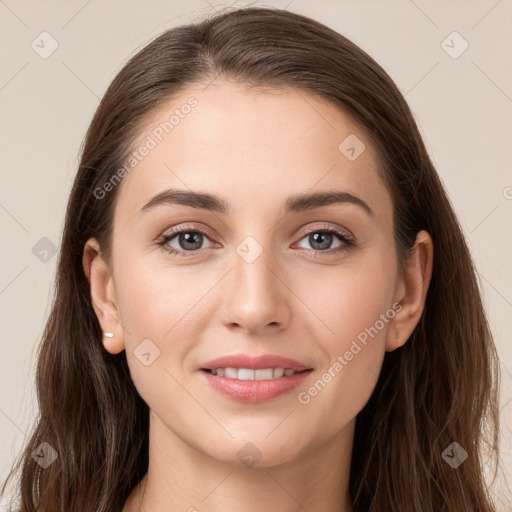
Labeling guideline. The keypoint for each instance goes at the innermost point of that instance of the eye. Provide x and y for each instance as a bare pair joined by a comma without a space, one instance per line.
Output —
321,239
188,241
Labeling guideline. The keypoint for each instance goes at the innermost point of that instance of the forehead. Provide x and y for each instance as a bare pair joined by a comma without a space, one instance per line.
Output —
252,148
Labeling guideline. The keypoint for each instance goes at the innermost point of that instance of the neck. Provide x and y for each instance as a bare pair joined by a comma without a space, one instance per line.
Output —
181,478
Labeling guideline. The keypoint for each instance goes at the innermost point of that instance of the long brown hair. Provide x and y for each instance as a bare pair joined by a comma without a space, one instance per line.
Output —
439,387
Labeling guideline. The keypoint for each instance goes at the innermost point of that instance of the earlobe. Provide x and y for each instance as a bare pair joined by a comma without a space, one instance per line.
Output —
413,290
103,296
111,344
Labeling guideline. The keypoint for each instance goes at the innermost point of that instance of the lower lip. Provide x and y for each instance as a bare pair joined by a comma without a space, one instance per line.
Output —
253,391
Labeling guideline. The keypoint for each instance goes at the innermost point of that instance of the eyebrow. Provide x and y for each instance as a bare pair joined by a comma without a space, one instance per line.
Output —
294,204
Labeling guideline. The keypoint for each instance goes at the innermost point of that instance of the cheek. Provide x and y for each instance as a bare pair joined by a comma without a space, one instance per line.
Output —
161,313
157,300
356,313
351,298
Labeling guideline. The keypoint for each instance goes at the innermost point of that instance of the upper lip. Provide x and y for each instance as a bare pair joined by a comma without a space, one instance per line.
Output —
259,362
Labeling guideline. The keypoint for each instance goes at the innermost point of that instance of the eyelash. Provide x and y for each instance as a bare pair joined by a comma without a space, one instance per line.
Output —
347,241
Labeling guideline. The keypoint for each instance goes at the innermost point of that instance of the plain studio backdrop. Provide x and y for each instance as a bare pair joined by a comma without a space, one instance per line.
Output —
451,60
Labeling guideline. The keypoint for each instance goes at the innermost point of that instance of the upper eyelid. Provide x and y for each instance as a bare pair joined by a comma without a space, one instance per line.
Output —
330,228
186,227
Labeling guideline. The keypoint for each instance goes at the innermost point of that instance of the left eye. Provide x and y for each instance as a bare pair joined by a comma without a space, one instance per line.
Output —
322,240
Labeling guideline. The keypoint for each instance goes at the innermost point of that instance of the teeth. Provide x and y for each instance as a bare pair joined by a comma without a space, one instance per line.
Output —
250,374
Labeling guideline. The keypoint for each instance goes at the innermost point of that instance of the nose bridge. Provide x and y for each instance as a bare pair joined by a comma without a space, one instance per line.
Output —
252,266
256,294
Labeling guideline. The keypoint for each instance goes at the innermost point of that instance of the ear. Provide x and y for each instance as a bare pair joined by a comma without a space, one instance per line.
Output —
103,296
412,291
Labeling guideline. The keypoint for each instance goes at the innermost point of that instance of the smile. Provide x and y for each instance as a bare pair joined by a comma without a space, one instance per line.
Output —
251,374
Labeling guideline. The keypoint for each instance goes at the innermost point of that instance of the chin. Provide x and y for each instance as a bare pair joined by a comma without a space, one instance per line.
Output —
256,453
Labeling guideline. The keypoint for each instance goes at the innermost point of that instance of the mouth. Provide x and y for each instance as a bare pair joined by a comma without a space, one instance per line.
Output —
245,374
250,378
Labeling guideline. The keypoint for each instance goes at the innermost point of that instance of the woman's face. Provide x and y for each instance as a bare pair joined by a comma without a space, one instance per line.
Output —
267,276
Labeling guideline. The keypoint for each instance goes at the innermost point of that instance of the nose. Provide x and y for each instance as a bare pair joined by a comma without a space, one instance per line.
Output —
256,295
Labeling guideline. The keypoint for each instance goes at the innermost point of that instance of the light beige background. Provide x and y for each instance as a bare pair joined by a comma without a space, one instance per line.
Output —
463,106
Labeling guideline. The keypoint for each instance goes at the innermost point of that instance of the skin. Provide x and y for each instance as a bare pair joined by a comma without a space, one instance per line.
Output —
253,149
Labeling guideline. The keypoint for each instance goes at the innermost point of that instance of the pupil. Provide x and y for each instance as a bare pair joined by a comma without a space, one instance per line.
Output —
318,237
190,238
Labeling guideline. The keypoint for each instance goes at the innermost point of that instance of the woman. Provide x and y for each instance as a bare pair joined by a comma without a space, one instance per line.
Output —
320,345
